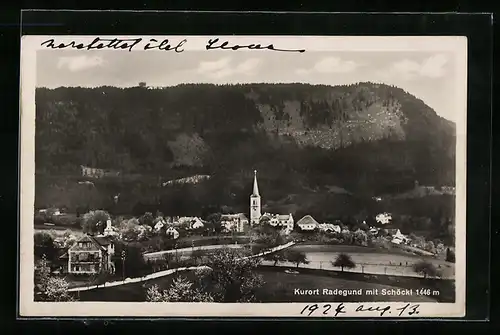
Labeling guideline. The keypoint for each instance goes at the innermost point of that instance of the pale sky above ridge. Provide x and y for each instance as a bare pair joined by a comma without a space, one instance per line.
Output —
427,75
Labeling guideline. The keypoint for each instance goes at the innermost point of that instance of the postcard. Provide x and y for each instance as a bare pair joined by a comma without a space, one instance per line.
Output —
243,176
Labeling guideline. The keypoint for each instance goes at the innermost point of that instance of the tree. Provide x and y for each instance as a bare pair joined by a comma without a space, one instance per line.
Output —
347,236
344,261
276,257
232,277
197,255
425,268
130,230
429,246
142,84
214,222
147,219
360,237
450,255
267,235
44,245
135,264
94,222
296,257
168,259
181,290
47,287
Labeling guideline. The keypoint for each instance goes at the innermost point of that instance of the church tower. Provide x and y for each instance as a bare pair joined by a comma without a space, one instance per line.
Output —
255,213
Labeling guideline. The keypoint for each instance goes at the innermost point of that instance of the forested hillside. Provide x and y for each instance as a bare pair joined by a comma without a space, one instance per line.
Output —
366,138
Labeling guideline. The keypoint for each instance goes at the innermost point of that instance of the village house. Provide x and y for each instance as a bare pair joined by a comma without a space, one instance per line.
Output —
279,220
97,173
110,230
383,218
91,172
197,223
172,232
159,224
397,236
450,190
234,222
91,255
329,227
188,222
308,223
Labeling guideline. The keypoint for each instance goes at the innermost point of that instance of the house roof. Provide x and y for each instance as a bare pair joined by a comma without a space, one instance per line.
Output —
306,220
100,242
64,256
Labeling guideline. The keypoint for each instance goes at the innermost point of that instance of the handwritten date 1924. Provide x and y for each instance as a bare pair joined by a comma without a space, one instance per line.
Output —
327,309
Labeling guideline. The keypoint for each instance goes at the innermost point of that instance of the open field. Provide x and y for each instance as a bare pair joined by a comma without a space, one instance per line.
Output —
369,260
280,286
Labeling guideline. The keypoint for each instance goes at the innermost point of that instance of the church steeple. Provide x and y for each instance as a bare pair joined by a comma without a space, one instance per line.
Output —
255,185
255,209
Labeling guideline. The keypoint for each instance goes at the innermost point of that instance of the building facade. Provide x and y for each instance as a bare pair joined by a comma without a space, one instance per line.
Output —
91,255
255,205
234,222
280,220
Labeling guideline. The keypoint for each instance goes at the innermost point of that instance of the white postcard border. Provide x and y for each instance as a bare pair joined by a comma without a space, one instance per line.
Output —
29,308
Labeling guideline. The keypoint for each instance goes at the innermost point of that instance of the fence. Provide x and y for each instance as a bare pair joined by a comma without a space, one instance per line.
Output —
393,269
167,272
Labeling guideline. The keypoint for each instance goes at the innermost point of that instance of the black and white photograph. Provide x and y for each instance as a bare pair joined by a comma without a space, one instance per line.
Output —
165,175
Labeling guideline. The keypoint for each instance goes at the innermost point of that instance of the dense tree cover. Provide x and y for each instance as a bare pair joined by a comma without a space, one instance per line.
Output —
44,246
226,131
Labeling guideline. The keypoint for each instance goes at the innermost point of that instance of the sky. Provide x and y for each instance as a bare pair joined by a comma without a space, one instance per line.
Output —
427,75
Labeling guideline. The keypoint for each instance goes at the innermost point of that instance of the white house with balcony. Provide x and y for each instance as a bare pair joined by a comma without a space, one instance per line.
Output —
91,255
285,221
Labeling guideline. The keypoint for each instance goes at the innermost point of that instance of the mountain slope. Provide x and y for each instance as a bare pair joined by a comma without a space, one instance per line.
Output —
366,138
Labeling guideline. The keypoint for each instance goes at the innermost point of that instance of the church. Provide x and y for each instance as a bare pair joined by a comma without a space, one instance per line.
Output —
285,221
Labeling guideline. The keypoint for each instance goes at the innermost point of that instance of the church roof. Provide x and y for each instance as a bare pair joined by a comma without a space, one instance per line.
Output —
307,220
255,185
